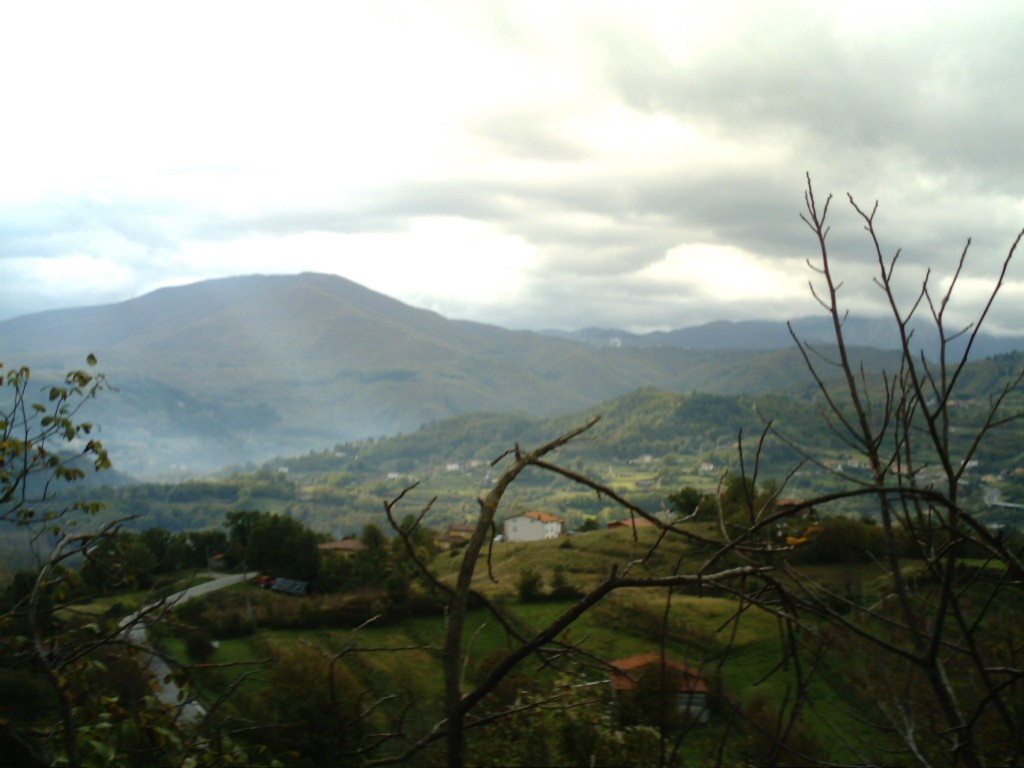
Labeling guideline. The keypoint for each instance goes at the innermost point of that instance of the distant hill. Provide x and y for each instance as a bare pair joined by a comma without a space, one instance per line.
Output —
764,335
242,369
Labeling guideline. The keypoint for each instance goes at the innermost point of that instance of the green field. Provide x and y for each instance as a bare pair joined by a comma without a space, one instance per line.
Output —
398,660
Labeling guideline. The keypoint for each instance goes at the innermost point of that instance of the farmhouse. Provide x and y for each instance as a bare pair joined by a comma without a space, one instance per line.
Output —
533,526
648,673
463,531
456,535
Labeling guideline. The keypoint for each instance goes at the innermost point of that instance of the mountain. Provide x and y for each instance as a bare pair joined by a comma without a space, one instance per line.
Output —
241,369
763,335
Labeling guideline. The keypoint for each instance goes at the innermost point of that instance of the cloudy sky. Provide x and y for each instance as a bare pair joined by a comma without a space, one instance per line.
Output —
531,164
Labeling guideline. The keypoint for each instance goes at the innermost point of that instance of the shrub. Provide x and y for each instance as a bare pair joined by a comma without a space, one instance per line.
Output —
227,624
198,645
529,585
561,589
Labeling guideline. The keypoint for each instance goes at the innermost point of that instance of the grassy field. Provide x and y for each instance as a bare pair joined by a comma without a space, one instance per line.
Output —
585,558
742,657
127,602
739,655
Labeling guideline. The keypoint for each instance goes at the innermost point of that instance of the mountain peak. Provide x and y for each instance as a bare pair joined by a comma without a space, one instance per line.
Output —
244,368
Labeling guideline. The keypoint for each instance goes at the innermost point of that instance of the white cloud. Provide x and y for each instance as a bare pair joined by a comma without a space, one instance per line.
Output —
726,274
491,159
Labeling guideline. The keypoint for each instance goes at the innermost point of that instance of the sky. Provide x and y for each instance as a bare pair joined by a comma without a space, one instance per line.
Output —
637,165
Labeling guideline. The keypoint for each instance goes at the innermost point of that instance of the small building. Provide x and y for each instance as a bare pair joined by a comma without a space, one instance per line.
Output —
533,526
218,562
649,673
446,541
290,586
462,531
457,535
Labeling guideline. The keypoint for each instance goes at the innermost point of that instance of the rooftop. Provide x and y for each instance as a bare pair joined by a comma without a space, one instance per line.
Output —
628,673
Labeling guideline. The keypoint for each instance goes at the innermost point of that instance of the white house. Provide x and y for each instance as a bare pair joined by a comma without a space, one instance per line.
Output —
533,526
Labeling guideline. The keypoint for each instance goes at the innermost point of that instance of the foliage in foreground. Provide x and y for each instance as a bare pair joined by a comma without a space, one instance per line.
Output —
937,656
82,694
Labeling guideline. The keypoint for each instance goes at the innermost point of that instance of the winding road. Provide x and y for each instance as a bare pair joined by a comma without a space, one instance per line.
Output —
133,629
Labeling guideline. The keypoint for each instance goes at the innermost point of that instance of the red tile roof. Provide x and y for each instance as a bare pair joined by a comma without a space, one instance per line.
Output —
679,676
544,517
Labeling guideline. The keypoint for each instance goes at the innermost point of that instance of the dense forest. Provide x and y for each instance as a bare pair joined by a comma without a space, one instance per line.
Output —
647,443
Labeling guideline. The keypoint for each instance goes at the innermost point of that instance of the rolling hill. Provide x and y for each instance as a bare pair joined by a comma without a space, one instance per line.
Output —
241,369
876,333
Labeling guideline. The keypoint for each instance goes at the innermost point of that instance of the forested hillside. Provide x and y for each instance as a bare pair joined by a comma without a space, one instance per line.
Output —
648,443
242,369
771,515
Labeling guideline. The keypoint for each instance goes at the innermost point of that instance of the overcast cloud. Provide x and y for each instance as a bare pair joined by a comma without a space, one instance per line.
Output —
548,164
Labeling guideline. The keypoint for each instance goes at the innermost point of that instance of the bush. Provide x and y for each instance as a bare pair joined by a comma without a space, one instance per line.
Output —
198,645
838,540
227,624
529,586
561,589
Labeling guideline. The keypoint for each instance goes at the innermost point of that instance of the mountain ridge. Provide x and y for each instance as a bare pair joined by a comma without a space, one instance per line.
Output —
876,333
241,369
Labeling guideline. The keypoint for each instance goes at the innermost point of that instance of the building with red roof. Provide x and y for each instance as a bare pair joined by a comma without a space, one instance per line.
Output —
533,526
649,673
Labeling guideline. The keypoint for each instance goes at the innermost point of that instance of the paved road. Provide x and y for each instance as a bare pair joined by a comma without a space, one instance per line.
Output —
992,499
134,629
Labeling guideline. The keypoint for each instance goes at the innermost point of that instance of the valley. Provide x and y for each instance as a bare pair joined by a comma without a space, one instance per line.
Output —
786,567
240,370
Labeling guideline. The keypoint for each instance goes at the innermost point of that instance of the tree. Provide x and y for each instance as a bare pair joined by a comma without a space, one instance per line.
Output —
300,718
200,545
371,563
36,456
171,551
936,655
529,585
240,525
459,704
274,543
41,444
689,502
561,589
92,702
118,562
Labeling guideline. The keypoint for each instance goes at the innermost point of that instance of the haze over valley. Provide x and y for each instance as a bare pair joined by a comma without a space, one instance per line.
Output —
512,383
238,370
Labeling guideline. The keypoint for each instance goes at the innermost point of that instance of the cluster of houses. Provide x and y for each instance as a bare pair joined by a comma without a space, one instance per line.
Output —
538,526
528,526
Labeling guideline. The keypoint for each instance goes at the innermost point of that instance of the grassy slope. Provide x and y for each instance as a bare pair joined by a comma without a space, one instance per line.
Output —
701,632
